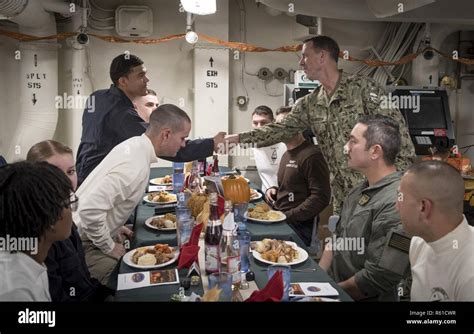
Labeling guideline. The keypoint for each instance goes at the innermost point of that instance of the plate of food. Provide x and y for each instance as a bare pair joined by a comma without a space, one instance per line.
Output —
165,222
149,257
162,181
160,197
262,213
255,195
274,251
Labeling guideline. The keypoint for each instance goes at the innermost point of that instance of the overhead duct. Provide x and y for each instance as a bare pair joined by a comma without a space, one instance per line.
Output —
10,8
75,86
421,11
38,72
387,8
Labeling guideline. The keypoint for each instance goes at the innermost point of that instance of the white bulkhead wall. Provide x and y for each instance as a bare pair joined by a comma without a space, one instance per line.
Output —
38,73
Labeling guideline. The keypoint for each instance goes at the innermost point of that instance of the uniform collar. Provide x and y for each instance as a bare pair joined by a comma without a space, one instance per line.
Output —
300,147
151,149
383,182
459,235
338,93
118,92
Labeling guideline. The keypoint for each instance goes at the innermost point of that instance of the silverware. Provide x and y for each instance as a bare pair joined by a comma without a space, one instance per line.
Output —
307,270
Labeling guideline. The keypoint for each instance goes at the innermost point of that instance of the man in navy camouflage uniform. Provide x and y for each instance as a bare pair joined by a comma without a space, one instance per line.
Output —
331,111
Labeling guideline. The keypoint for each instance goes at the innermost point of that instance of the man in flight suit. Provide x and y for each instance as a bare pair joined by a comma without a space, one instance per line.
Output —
359,256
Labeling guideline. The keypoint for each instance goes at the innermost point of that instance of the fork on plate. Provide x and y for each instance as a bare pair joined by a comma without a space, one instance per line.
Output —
306,270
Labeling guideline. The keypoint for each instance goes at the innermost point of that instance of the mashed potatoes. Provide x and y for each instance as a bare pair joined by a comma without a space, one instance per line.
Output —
147,260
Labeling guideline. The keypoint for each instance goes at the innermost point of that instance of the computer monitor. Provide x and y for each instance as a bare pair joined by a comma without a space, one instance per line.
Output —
426,111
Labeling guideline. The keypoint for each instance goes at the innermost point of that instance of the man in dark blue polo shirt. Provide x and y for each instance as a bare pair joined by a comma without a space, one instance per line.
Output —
110,118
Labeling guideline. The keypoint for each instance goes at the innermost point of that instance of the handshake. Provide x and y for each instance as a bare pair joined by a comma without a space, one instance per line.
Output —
225,144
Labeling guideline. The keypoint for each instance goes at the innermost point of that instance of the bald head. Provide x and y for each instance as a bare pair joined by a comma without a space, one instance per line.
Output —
439,182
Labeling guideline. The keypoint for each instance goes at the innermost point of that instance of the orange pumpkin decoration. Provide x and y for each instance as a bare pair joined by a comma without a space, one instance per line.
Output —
236,189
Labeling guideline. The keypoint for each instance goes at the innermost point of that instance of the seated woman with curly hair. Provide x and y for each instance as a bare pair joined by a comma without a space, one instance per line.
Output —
35,211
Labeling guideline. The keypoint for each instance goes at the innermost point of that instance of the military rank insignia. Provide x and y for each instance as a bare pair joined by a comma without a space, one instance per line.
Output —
364,199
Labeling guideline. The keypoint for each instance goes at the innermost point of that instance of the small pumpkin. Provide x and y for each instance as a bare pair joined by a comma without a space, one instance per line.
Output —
236,189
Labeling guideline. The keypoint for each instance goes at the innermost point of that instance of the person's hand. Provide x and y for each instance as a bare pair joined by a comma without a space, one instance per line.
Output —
219,143
232,139
124,233
117,252
270,195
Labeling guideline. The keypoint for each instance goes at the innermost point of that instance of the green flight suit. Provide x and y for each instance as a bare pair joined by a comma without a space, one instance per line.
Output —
368,216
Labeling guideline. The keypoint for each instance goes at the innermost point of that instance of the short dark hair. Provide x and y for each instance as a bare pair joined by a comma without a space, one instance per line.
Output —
168,115
383,131
325,43
122,65
439,175
32,198
264,111
283,110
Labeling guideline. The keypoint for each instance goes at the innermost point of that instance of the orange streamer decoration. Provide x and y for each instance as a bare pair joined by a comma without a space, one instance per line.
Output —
244,47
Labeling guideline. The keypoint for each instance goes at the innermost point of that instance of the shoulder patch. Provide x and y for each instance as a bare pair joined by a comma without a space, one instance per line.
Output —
364,199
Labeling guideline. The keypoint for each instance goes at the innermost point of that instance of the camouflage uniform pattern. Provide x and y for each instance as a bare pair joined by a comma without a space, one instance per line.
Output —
332,118
369,214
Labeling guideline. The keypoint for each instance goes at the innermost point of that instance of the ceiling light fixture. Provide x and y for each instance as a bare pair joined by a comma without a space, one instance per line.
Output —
199,7
191,37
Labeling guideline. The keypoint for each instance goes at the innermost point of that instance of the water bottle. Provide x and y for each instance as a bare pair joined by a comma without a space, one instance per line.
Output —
178,177
229,247
240,216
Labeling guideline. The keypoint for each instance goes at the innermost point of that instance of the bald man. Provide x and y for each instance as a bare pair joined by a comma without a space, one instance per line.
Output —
430,203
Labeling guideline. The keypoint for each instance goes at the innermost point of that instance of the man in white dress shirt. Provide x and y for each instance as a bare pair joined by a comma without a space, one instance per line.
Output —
267,159
430,202
115,187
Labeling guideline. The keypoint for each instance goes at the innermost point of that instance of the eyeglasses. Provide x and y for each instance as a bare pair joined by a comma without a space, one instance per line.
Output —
73,202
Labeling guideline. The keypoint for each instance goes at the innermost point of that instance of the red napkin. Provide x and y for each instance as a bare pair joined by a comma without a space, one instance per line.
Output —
189,251
272,292
209,170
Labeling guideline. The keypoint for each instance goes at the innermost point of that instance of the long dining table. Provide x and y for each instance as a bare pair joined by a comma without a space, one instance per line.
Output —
144,236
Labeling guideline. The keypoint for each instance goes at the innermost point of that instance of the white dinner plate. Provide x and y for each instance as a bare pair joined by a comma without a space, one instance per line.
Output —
159,182
256,197
160,203
127,258
265,221
302,255
149,220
